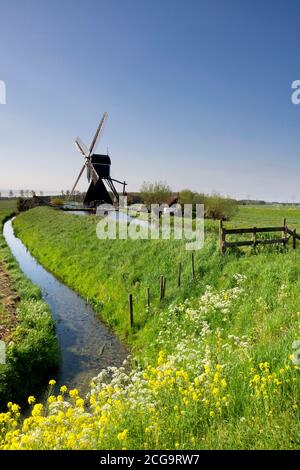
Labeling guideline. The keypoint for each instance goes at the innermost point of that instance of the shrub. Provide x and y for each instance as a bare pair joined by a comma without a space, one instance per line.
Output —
218,207
215,206
24,204
57,202
155,193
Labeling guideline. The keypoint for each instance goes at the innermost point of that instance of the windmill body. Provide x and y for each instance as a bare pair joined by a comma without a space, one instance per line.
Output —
97,193
102,188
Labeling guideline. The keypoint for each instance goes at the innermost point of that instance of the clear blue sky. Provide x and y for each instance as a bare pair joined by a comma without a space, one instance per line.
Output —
198,93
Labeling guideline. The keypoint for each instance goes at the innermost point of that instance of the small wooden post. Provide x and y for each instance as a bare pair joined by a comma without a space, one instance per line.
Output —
179,275
222,238
254,236
164,287
130,305
193,264
294,239
161,288
148,297
283,233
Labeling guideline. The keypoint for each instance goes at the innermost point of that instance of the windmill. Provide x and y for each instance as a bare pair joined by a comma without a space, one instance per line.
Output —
97,168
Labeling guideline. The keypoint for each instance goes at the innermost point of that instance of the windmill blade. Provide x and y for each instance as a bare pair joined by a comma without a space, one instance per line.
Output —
98,133
81,147
88,173
93,173
76,182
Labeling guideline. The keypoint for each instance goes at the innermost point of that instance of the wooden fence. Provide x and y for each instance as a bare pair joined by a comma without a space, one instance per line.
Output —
286,234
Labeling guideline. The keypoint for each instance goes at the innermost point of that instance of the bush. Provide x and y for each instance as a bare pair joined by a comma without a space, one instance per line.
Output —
24,204
57,202
218,207
215,206
155,193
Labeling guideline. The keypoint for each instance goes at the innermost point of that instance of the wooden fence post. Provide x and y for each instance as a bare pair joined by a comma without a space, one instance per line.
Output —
222,238
179,275
130,305
161,287
164,287
254,236
193,264
294,239
148,297
283,234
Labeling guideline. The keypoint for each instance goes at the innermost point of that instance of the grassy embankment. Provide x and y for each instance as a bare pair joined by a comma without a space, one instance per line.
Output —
26,327
212,370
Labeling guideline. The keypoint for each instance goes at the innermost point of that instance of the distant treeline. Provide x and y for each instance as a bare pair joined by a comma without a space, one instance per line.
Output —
216,206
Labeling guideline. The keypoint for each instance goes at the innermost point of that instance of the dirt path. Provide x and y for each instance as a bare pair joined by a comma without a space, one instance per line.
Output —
8,301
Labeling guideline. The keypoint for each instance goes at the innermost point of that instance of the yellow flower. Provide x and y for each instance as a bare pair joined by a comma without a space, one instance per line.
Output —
63,389
15,408
73,393
79,403
123,435
37,410
160,358
52,382
223,383
31,400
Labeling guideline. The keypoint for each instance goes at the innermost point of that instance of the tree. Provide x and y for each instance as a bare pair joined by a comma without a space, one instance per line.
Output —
11,193
186,196
22,193
155,193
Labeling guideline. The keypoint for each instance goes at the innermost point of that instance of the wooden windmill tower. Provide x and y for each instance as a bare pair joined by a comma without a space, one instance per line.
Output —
97,167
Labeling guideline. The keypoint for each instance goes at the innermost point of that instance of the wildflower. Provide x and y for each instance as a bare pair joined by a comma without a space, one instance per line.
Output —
37,410
15,408
63,389
122,436
52,382
31,400
79,403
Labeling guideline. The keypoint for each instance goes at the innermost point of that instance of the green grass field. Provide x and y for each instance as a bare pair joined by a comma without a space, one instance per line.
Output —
266,215
214,364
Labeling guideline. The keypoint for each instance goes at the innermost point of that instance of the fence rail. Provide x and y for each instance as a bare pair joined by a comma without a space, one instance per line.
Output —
286,234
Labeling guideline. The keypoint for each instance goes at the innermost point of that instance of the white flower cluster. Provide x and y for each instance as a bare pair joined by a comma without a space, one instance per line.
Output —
189,340
186,330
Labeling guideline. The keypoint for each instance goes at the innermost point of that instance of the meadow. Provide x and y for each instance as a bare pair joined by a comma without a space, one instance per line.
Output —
212,365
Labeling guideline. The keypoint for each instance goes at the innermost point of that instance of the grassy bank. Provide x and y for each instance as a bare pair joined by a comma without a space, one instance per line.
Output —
26,328
214,363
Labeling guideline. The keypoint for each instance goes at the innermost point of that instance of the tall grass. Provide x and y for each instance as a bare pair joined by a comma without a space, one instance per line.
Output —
214,364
